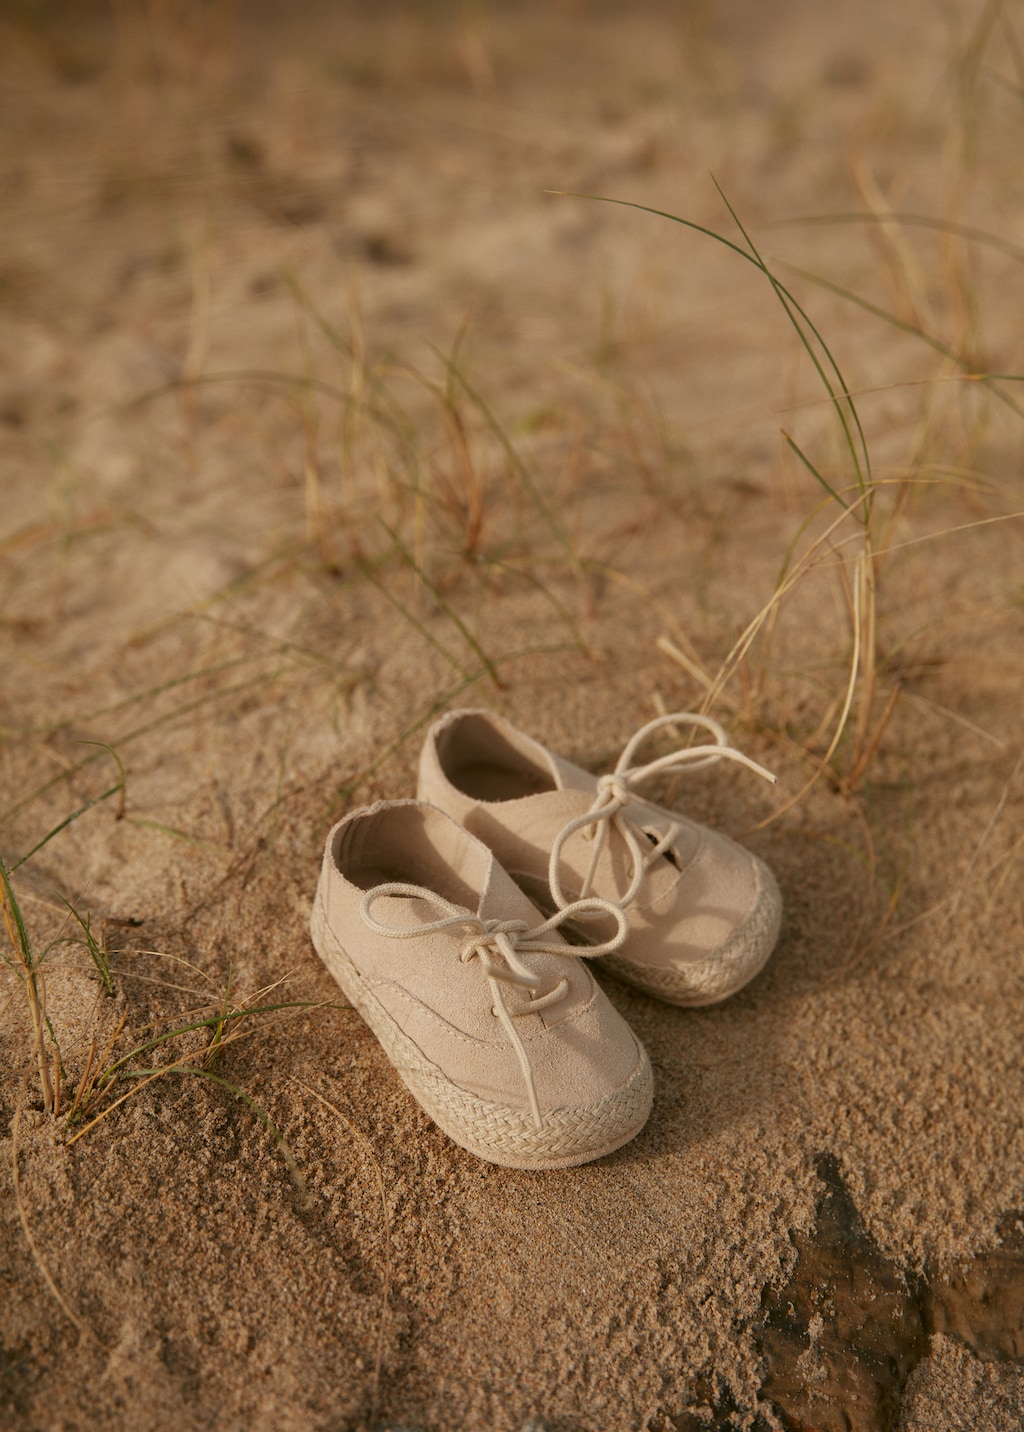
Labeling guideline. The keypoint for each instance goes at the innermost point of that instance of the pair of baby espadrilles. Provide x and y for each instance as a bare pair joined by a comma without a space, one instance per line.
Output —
460,926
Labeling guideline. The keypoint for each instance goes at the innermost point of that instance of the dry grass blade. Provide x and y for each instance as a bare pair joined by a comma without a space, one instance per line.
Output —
94,1069
105,1073
515,460
908,220
860,509
840,727
868,750
689,664
111,1107
84,1083
953,531
38,1258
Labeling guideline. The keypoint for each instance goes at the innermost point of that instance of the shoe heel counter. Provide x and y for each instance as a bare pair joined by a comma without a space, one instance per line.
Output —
432,785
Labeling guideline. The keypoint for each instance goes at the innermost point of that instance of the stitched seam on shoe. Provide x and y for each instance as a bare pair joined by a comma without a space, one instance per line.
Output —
469,1038
437,1018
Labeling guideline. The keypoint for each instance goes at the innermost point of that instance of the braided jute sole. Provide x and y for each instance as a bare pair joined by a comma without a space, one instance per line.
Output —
708,981
494,1132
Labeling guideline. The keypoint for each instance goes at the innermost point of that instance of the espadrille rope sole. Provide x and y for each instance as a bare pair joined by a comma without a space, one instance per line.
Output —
495,1132
734,965
701,982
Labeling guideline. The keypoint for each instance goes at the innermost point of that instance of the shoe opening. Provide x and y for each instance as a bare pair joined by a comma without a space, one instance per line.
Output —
412,844
483,762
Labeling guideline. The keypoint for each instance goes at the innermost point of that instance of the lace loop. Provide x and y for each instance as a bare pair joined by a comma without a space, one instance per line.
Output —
498,945
616,790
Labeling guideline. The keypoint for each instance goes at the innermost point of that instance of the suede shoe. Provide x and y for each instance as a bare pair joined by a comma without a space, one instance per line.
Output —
704,912
495,1026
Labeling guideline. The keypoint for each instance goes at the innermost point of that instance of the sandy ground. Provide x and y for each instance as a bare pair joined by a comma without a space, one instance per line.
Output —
320,413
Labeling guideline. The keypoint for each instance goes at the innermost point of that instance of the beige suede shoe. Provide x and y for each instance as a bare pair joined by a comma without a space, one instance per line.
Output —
704,913
500,1033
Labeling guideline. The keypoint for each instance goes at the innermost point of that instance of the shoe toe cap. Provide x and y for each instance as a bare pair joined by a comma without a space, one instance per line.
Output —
710,933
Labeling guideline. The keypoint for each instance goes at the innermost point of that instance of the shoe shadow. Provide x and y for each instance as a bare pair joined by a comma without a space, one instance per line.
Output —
635,1267
724,1065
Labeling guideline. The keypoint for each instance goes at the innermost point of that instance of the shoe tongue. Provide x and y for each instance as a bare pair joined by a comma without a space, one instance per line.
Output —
568,777
502,899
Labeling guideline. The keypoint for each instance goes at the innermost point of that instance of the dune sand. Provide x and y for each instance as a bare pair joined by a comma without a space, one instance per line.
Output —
320,413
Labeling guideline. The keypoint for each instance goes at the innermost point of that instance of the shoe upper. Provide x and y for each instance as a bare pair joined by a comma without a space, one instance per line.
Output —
523,800
416,902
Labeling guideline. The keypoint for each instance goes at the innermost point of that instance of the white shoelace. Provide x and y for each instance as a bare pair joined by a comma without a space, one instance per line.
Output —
506,940
615,791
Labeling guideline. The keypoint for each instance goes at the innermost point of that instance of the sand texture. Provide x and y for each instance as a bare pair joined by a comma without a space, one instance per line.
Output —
320,413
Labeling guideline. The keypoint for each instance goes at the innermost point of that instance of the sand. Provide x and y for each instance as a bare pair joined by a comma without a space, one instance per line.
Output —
320,413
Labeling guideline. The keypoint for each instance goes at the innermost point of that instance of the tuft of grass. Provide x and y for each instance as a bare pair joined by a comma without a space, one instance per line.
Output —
106,1072
450,483
856,503
95,1097
851,531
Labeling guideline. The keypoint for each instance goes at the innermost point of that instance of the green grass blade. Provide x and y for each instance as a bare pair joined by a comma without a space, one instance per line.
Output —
96,800
988,380
559,606
814,471
449,611
910,221
414,621
80,718
786,299
782,292
210,1022
195,841
97,953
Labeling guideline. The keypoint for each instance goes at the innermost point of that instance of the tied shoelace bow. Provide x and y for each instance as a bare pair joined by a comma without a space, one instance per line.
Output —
614,793
498,944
